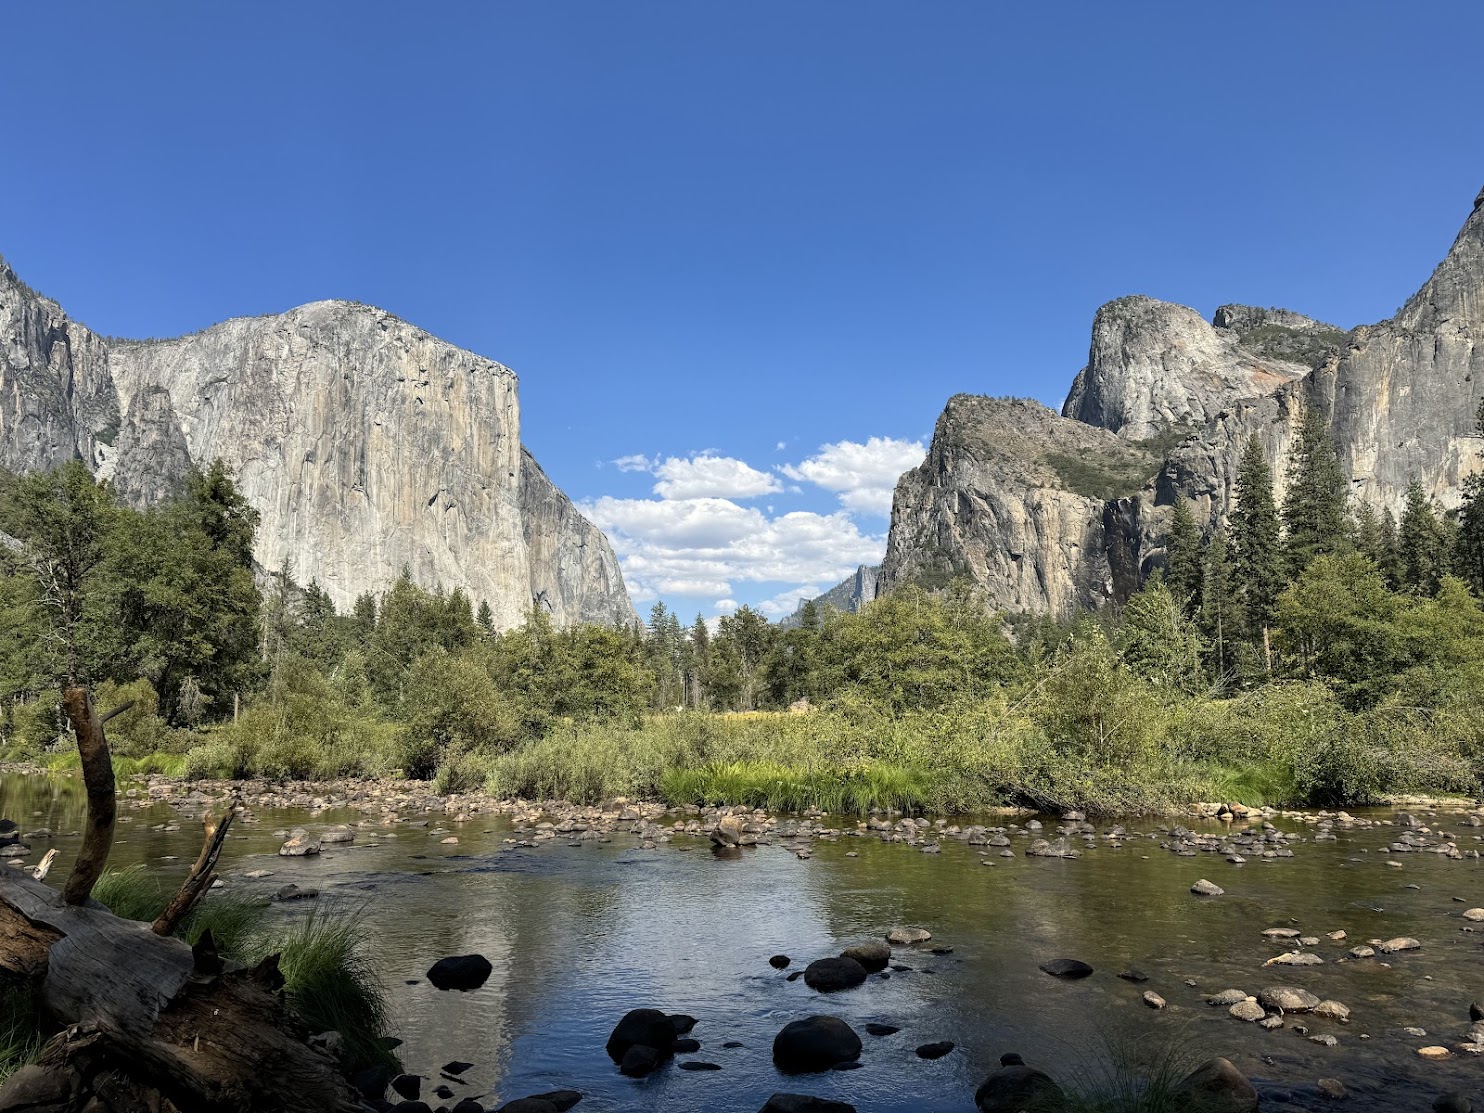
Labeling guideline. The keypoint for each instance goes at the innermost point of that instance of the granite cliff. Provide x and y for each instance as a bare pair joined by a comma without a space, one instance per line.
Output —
1051,512
365,444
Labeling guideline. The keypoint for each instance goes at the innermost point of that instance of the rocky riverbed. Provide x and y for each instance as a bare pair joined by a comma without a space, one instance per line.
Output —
1328,952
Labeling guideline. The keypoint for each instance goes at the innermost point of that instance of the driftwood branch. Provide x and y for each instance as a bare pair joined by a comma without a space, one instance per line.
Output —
202,873
42,868
97,777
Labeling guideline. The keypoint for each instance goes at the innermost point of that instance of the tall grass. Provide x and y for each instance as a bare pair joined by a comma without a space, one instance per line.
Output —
20,1031
132,893
1135,1075
328,979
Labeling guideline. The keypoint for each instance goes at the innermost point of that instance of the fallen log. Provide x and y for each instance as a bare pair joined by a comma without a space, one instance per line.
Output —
145,1022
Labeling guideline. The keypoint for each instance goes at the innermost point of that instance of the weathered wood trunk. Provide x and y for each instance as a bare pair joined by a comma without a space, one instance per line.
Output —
146,1029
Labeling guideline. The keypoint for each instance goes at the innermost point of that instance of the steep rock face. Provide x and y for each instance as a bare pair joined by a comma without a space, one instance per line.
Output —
151,460
1154,366
57,401
1027,504
574,574
1404,394
365,444
1401,398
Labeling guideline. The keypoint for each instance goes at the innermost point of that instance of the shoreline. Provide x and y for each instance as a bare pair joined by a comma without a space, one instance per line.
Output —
393,797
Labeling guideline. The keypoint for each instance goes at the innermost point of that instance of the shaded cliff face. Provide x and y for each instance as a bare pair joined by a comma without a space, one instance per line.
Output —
574,575
1401,398
848,596
1015,497
365,444
57,401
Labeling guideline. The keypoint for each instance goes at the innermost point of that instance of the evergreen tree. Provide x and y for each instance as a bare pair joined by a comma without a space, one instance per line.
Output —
1314,517
1421,543
698,660
485,617
1468,552
1221,611
1183,570
1256,555
1375,539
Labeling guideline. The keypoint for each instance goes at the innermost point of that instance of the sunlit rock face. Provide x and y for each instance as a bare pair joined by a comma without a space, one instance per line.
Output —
366,445
1003,501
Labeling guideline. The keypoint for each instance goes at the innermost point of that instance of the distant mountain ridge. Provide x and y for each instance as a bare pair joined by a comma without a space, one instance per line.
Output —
848,596
365,444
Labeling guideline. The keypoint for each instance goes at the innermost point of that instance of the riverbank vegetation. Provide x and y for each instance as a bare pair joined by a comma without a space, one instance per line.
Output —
1320,652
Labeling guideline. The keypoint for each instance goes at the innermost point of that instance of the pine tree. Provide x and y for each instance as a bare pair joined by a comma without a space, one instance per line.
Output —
1314,518
1221,612
1421,543
1256,553
485,617
1183,558
700,661
1468,552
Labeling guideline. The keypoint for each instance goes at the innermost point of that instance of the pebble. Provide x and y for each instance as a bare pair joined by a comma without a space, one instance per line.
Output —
1153,1000
1435,1052
1332,1088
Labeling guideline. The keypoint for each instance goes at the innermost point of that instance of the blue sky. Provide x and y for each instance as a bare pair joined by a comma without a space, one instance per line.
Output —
739,254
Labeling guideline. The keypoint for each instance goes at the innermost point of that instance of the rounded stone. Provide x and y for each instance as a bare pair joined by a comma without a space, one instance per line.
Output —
815,1044
830,975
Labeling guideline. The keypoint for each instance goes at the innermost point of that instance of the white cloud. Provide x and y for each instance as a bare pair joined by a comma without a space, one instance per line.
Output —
708,476
863,476
724,606
636,462
681,546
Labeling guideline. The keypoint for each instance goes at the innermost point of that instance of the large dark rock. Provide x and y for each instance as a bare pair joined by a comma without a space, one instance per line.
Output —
371,1083
935,1050
1066,968
461,972
641,1028
409,1086
815,1043
803,1103
1216,1086
829,975
1017,1088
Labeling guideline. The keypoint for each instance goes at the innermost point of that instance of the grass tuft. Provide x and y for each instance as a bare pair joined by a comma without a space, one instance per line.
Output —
328,978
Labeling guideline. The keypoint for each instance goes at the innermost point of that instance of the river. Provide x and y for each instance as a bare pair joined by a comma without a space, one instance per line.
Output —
580,934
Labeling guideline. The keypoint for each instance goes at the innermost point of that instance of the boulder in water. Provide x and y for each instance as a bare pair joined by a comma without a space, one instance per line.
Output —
815,1044
829,975
461,972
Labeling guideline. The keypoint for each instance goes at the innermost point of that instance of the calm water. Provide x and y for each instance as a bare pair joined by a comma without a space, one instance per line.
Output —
579,935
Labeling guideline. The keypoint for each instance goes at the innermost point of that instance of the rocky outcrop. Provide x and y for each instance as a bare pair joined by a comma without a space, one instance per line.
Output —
1401,398
1156,367
365,444
1028,505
